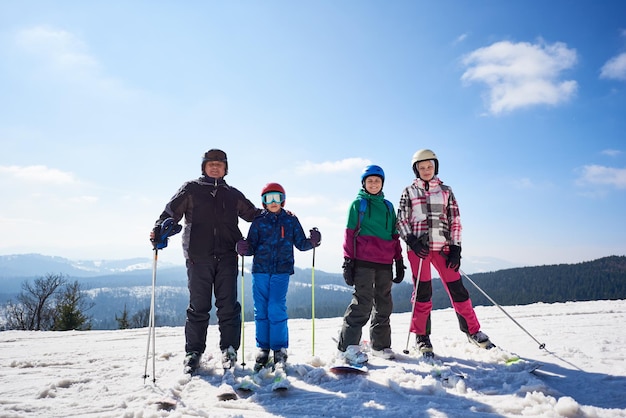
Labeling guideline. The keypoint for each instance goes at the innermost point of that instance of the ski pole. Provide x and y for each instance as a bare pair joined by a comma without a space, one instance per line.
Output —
151,325
417,280
313,304
541,345
243,322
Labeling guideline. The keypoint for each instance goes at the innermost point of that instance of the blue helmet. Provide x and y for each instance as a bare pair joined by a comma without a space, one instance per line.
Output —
372,170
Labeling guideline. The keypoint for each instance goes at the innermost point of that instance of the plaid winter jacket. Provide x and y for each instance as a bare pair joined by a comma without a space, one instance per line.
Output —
430,209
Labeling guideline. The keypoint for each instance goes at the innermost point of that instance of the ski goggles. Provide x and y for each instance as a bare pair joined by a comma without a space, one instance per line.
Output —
273,197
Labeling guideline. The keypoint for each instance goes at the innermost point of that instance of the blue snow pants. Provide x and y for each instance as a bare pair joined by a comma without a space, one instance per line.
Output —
270,310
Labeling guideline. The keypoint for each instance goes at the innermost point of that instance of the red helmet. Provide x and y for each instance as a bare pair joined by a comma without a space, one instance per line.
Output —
273,187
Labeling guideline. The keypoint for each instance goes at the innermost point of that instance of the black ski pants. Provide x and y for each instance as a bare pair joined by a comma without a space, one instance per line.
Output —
219,276
371,300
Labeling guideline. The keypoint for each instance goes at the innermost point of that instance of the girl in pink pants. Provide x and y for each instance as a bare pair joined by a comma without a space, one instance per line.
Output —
430,223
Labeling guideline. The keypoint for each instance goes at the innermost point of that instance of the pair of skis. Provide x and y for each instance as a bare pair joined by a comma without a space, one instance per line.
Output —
444,371
274,376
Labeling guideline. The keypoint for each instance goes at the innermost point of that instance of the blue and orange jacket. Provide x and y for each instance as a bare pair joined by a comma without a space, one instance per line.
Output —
271,239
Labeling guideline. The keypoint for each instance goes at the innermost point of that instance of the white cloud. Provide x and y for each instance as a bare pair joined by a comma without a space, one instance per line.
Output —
615,68
460,38
84,200
346,164
522,74
600,175
611,152
60,49
64,56
523,183
38,174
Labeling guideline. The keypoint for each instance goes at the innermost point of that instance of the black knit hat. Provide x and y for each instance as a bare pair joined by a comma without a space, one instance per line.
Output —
214,155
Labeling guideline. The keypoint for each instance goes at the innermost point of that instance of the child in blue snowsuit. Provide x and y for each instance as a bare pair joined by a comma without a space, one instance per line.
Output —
271,239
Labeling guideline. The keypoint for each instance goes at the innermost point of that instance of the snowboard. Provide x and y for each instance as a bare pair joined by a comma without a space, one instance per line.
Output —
349,369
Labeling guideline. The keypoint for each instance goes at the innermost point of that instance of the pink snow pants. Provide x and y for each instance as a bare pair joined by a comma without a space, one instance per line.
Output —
458,294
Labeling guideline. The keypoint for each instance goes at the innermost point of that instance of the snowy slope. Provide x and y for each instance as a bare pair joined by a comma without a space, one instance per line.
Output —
99,373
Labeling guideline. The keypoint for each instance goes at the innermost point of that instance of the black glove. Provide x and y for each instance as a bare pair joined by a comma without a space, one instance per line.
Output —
348,271
454,258
315,237
242,247
399,271
163,231
418,245
155,235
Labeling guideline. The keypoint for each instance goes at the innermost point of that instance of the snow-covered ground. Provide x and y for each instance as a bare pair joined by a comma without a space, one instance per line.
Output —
100,373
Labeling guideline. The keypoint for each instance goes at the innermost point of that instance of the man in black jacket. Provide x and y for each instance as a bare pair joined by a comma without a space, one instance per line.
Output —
211,209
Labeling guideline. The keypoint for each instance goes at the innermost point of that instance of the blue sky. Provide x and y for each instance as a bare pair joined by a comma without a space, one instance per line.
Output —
108,106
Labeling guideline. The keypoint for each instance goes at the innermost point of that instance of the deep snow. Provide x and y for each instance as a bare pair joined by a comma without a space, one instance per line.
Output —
100,373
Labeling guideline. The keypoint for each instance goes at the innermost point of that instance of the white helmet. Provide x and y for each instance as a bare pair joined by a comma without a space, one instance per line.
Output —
424,155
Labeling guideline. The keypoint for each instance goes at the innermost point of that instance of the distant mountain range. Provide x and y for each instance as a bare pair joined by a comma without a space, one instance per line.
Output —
14,269
126,284
115,285
35,265
27,265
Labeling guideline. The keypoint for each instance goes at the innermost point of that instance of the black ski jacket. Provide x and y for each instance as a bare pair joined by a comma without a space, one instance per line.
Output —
212,210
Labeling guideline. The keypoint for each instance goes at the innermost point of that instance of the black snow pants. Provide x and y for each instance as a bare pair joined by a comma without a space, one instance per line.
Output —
371,300
219,276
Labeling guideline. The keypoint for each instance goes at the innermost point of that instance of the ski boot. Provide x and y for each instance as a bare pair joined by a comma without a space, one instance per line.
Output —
229,358
262,359
424,346
385,353
354,356
191,362
280,357
481,339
